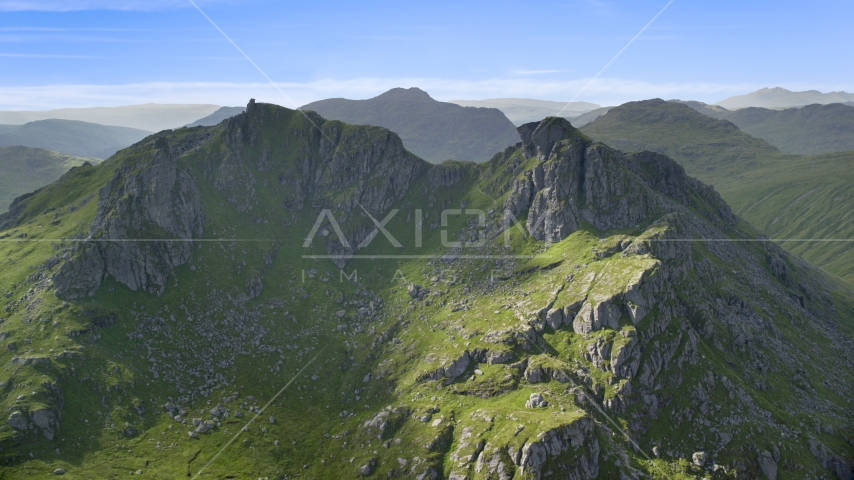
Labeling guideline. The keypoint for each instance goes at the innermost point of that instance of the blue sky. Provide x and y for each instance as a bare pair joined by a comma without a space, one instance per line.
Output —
60,53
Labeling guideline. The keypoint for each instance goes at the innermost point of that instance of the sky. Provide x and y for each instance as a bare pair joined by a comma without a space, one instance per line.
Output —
81,53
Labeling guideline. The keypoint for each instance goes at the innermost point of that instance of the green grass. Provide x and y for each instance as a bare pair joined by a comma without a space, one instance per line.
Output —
159,348
783,196
28,169
809,130
72,137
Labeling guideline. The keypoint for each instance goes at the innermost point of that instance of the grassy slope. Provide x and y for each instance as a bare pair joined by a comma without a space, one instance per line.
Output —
115,371
27,169
435,131
74,137
785,196
810,130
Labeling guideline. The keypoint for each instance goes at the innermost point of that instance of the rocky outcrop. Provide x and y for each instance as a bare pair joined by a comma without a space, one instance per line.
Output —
843,469
148,213
536,400
578,435
450,370
18,421
44,420
768,465
576,180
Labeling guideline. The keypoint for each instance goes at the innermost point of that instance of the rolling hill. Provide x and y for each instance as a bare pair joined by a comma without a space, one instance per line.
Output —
73,137
152,117
524,110
225,302
808,200
435,131
588,117
777,98
26,170
810,130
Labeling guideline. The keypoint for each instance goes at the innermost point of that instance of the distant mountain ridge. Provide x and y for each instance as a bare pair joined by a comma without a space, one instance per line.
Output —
784,196
524,110
810,130
25,170
152,117
73,137
781,98
218,116
171,291
435,131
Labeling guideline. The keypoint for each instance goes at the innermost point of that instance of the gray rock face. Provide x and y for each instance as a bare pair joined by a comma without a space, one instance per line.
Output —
768,465
831,461
699,458
450,370
82,276
536,400
577,181
577,435
589,319
496,357
18,421
368,468
46,420
147,213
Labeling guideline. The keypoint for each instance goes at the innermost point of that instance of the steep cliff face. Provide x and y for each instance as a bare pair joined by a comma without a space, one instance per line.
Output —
576,180
150,210
620,327
148,213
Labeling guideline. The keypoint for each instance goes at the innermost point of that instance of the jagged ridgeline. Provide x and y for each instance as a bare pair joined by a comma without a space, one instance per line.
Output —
561,311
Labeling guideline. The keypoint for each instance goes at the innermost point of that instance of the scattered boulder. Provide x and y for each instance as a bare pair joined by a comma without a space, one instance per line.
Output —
536,400
417,292
699,458
768,465
368,468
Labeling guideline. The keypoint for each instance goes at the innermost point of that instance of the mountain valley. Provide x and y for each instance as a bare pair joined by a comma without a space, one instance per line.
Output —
805,201
288,296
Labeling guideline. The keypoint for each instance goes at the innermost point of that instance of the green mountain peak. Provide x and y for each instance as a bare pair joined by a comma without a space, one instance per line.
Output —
563,308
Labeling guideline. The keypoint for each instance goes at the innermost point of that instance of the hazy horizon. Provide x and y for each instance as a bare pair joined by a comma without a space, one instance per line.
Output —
84,53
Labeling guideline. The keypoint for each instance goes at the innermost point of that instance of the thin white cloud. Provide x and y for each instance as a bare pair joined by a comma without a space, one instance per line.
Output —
605,91
46,55
77,5
534,72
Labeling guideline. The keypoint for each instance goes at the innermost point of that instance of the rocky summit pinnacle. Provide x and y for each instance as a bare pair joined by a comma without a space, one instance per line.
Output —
561,310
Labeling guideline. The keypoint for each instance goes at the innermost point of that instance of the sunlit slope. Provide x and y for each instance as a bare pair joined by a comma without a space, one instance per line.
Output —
784,196
24,170
73,137
179,283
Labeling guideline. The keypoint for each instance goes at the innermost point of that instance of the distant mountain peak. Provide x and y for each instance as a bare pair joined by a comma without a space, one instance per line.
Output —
434,130
412,92
778,97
